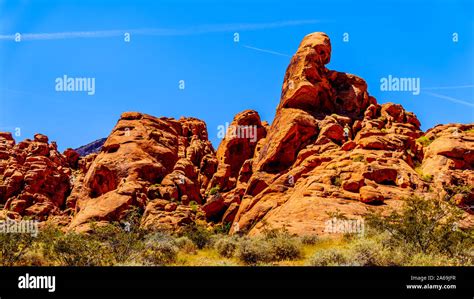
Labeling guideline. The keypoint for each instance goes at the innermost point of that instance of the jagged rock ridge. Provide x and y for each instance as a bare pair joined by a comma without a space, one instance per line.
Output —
331,147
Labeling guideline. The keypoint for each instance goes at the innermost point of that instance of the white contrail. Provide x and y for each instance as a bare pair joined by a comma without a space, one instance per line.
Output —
449,99
203,29
267,51
448,87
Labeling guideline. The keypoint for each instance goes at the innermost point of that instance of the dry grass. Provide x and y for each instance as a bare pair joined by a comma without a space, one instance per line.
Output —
412,237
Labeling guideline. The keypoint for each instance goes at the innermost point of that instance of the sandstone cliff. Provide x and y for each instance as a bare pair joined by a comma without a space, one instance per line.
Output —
331,148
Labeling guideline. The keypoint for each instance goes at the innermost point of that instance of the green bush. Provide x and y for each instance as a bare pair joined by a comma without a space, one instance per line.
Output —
214,190
13,247
223,228
358,158
46,241
461,189
423,140
366,252
309,239
199,234
186,245
425,226
254,251
469,130
375,251
73,249
422,233
329,257
284,247
273,246
121,245
226,246
159,250
425,177
193,205
427,259
336,181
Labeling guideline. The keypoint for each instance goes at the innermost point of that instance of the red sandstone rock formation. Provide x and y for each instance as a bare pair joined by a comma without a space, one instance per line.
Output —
234,155
145,162
331,148
34,176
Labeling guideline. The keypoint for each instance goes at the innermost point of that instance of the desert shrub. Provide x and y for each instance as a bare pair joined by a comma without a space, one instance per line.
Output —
199,234
425,226
336,181
46,240
226,246
378,250
74,249
186,245
122,246
13,247
365,252
425,141
358,158
309,239
213,239
336,214
193,205
159,250
33,258
425,177
459,189
133,217
329,257
254,251
214,190
223,228
283,246
273,246
469,130
373,250
429,259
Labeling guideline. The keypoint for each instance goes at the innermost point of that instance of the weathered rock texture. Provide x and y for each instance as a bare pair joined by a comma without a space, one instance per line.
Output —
145,162
34,177
331,148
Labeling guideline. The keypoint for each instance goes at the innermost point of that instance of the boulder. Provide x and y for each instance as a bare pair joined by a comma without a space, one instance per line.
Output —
370,195
144,158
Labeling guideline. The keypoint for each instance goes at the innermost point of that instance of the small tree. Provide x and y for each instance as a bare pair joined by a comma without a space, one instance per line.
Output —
427,226
13,246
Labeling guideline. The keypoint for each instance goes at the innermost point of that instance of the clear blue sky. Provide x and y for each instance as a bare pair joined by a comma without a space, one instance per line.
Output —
193,41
